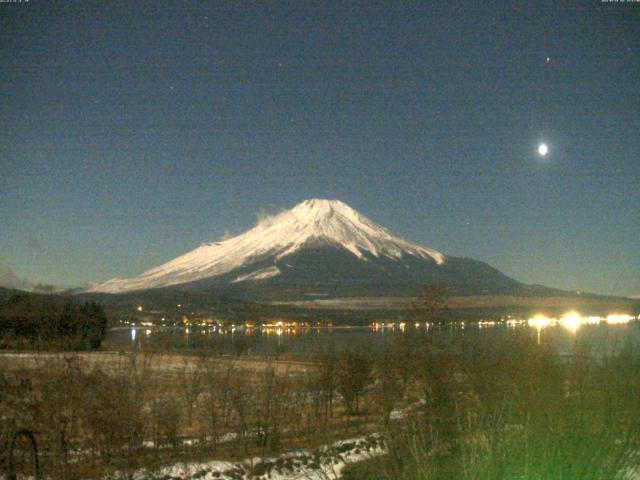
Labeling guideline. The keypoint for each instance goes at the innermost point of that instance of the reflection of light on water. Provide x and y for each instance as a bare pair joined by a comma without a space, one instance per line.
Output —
402,326
147,331
486,323
133,334
539,322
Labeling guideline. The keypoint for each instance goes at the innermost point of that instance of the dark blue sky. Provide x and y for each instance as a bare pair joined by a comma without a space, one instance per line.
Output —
130,132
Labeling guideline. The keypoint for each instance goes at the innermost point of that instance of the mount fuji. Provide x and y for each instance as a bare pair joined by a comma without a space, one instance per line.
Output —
317,248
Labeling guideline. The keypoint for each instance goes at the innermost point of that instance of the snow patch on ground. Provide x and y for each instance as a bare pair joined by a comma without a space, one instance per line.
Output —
325,463
402,413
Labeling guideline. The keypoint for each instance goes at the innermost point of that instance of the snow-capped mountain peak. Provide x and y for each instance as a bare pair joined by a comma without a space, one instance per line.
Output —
336,222
315,222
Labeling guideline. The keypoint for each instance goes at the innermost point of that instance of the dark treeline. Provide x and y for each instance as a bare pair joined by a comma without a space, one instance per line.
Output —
49,321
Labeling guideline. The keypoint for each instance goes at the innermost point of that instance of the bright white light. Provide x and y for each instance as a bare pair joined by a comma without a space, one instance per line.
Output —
571,321
543,149
615,319
540,321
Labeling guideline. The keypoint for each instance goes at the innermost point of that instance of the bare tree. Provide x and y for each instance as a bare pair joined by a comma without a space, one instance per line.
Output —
164,421
192,384
353,373
112,414
394,368
138,367
61,383
323,382
431,305
216,404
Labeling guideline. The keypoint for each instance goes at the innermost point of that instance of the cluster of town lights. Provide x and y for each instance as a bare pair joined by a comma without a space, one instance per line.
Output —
573,320
280,327
570,320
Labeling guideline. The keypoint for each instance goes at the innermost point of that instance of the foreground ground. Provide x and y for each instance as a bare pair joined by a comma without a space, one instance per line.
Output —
424,408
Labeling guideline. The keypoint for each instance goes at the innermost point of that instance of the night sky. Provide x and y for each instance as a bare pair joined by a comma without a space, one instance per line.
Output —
131,132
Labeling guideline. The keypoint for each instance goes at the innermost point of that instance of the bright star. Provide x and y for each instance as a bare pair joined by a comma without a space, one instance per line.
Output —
543,149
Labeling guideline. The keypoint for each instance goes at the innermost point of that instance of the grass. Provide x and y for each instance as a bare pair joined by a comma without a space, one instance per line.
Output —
518,411
501,409
95,413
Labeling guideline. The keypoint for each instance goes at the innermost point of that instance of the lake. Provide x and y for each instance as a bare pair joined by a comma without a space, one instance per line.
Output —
563,335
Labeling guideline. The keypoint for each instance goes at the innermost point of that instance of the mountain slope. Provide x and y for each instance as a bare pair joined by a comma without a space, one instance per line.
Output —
318,248
310,224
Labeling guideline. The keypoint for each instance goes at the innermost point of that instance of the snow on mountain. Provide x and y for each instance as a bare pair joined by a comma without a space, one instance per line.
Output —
312,222
259,274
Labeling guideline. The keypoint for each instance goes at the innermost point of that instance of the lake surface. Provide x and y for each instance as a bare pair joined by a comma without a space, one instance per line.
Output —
599,338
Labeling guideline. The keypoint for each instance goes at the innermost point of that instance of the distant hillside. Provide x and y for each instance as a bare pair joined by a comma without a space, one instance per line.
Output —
172,303
6,293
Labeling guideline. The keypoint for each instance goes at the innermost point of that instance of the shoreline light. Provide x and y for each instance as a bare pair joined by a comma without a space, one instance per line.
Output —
540,321
573,320
616,318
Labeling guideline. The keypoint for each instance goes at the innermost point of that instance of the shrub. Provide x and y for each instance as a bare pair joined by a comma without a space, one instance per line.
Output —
111,414
164,421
